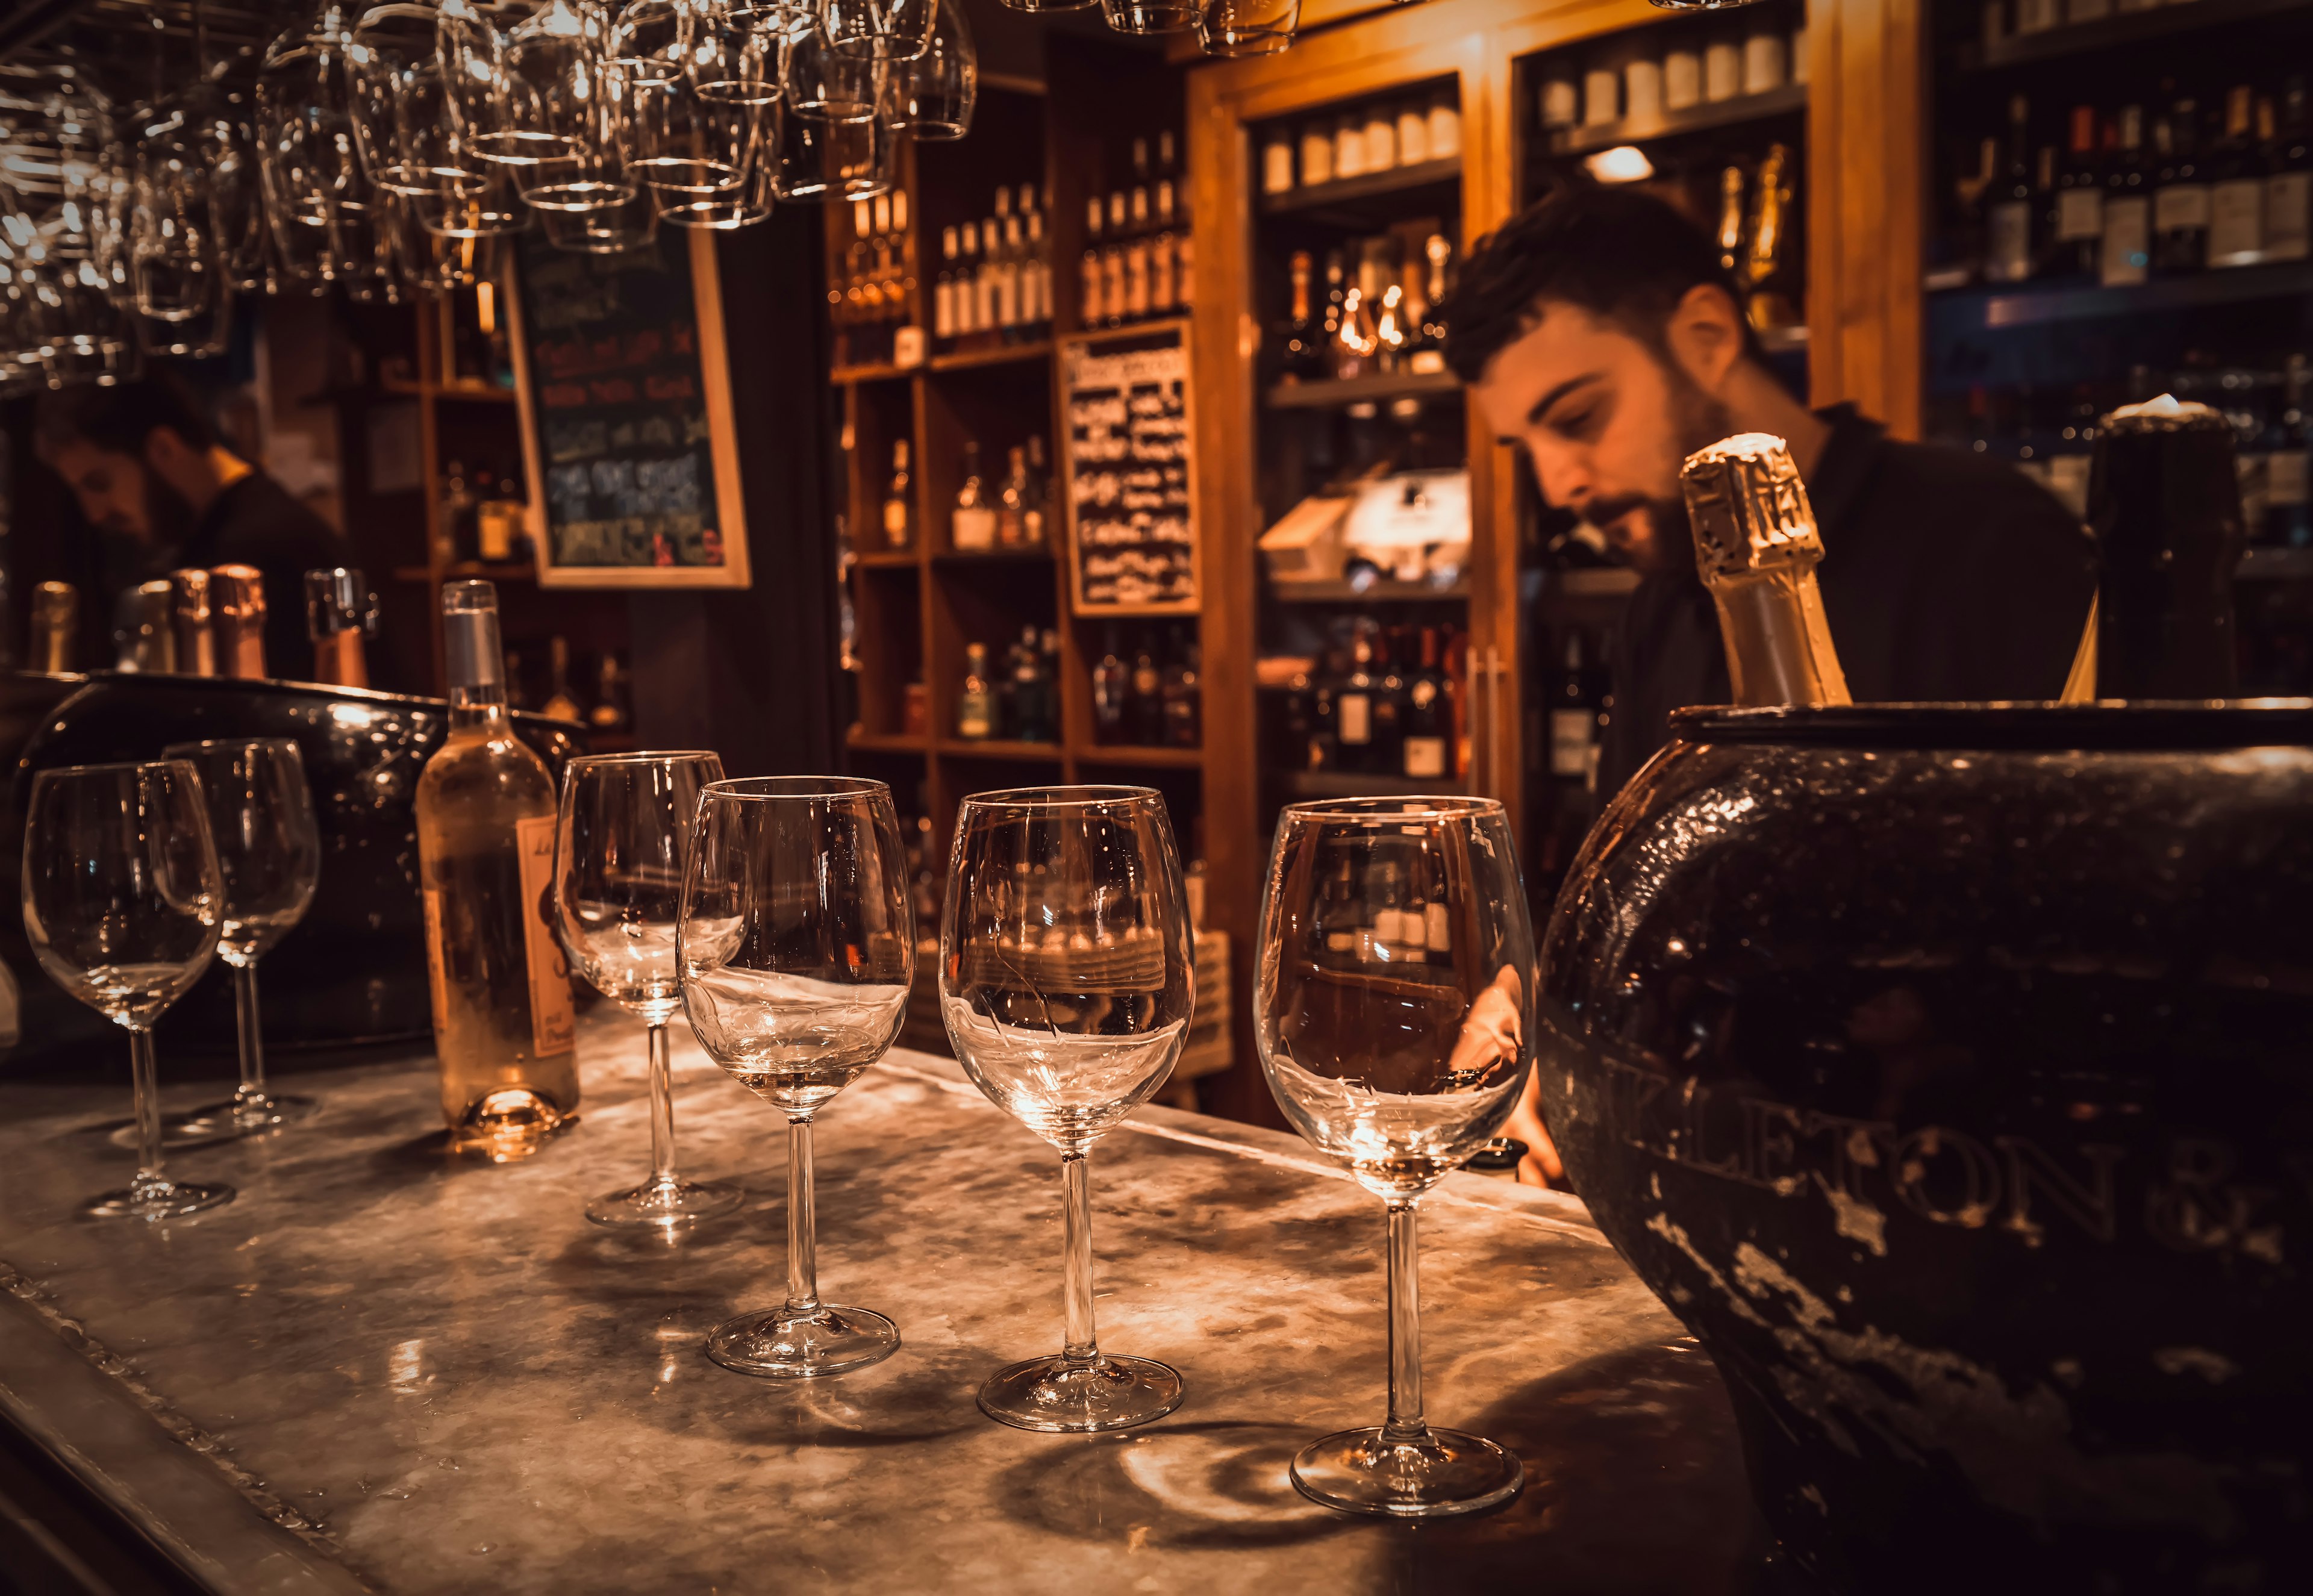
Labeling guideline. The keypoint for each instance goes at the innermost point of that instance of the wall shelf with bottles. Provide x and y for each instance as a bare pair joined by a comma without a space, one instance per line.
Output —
1788,100
2121,27
1989,310
964,359
1319,202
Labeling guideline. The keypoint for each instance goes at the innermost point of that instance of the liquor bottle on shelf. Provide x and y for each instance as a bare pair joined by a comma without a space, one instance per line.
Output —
609,713
1353,707
1036,497
2237,187
1173,217
1329,328
1183,699
502,1028
899,501
1354,340
975,706
2180,198
1324,716
1774,300
972,524
561,703
55,628
1111,685
1428,721
456,537
1012,500
2125,245
1427,350
943,289
1730,221
2008,205
2079,229
1035,707
1388,750
2289,179
2288,503
1144,703
1391,331
1574,719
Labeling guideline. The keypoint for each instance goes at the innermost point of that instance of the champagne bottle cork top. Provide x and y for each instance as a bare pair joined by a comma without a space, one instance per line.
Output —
1749,510
2167,414
55,599
189,594
238,592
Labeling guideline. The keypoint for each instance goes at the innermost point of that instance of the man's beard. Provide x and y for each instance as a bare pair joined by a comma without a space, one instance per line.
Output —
1698,421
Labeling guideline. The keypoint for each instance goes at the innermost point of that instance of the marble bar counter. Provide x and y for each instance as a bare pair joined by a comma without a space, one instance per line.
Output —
385,1369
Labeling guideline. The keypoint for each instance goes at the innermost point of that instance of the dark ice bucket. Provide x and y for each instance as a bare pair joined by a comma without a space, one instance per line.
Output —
1949,1072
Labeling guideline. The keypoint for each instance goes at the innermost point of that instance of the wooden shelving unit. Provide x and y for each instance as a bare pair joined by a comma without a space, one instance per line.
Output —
2121,29
1790,100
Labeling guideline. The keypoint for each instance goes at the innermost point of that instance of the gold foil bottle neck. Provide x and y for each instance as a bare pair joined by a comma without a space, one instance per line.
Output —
1749,509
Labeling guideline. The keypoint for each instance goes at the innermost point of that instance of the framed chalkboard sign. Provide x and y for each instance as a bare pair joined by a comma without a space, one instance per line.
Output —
626,415
1128,475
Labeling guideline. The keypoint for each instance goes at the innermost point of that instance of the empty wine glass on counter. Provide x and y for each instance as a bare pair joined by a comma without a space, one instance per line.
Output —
269,849
122,903
620,847
1067,977
1247,27
1393,1013
933,96
797,954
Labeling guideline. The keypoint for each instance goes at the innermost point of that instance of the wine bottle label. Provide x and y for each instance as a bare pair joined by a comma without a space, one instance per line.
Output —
2080,213
2181,205
2008,243
1571,732
2288,215
553,1028
2236,223
2127,240
1425,756
1354,721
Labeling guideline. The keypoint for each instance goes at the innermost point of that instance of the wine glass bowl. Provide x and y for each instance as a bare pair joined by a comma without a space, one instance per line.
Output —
622,835
1393,1014
1067,981
797,954
122,899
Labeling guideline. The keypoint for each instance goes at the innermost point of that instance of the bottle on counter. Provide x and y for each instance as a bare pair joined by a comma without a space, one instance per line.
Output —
237,608
2164,510
55,628
190,615
144,629
2288,495
1756,549
340,612
503,1027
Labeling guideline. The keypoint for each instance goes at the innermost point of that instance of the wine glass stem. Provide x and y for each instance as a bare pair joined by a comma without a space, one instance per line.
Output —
1405,1421
252,1039
1076,1189
662,1109
803,1237
144,1073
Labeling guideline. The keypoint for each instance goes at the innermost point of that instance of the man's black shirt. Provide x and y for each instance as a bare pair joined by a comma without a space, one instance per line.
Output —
1946,576
256,522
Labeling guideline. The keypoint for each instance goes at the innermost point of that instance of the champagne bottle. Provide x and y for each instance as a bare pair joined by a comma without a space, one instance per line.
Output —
56,627
339,612
237,604
503,1030
2164,510
1756,549
188,619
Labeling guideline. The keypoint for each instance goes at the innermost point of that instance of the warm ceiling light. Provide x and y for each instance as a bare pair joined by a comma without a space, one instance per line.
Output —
1624,163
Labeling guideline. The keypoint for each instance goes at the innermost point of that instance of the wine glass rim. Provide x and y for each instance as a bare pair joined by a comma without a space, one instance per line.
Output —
767,789
643,757
1055,797
186,750
112,768
1381,811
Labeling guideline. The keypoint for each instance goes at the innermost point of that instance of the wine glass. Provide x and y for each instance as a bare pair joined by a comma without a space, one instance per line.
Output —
269,846
934,94
1247,27
618,853
835,141
703,140
880,29
122,906
796,951
172,261
1067,976
1393,1013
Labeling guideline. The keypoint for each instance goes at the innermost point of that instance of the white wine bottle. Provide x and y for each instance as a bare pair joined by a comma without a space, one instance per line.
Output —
1756,549
502,1028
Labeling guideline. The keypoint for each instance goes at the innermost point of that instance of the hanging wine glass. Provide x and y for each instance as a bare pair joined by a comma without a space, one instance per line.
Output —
563,104
305,142
835,141
933,95
1150,16
429,259
1046,7
172,265
706,142
66,226
881,30
1235,28
595,218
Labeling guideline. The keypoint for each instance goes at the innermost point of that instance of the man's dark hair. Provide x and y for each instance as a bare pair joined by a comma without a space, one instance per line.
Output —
1616,252
122,416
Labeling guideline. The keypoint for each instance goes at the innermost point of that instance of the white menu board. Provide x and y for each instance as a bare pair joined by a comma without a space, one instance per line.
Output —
1127,462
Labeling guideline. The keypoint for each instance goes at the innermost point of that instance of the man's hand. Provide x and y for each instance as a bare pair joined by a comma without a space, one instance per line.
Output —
1540,1166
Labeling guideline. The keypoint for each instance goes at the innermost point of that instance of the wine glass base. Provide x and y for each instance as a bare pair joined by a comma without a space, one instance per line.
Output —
158,1200
1434,1475
666,1204
1059,1393
783,1343
247,1116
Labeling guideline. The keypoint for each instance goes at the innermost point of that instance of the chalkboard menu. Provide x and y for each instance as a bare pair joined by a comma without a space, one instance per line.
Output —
626,415
1129,476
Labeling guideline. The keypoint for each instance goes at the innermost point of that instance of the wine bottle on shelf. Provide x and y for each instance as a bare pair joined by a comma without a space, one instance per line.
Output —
2008,204
1300,354
1574,718
2237,187
1387,752
943,289
2180,200
1756,549
972,524
561,703
2078,250
1035,713
2164,510
1111,683
340,612
237,609
1325,716
503,1031
189,614
2287,495
975,706
1353,707
1183,699
1012,500
1145,700
1774,300
899,501
1036,509
2125,245
55,628
1730,221
2289,179
1428,721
